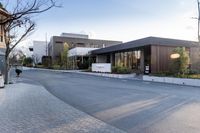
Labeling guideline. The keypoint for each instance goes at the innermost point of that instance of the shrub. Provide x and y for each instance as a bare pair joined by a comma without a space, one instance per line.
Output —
164,74
56,67
168,74
88,70
121,70
181,64
28,62
39,66
194,72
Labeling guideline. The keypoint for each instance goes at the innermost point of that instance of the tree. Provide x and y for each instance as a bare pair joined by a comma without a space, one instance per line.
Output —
64,56
19,24
16,57
181,64
36,59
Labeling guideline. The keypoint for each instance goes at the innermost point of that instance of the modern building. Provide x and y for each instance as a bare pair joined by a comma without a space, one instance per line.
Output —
39,49
149,55
3,15
80,56
56,44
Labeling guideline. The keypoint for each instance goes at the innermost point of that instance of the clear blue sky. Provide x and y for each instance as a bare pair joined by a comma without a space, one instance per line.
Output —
123,20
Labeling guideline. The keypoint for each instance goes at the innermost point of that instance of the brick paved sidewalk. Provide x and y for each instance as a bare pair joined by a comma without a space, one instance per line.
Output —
26,108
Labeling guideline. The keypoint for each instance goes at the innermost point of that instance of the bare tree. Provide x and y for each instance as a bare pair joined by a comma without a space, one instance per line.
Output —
36,59
19,24
16,57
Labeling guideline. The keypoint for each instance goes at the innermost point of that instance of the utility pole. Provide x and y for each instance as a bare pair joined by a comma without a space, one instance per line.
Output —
198,2
198,20
46,45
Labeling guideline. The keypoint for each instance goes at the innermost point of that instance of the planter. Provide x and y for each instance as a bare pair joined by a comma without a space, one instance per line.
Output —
120,76
179,81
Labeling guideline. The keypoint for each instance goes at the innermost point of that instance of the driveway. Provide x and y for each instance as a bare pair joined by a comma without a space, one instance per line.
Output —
130,105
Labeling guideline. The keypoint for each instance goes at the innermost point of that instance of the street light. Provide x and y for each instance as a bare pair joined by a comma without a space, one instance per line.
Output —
175,56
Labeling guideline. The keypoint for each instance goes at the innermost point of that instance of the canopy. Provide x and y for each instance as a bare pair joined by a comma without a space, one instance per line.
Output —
80,51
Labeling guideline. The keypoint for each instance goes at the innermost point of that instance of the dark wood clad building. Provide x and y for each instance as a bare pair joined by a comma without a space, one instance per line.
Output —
151,52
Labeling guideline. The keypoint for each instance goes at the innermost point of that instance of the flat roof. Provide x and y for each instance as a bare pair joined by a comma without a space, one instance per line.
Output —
74,35
63,37
146,41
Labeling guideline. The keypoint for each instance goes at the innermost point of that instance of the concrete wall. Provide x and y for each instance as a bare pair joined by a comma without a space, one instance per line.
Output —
72,35
56,44
179,81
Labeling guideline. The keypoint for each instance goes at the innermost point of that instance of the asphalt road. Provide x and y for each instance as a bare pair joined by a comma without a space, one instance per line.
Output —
130,105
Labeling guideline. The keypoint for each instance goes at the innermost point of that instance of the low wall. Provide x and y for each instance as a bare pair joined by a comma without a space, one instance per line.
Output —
101,67
120,76
179,81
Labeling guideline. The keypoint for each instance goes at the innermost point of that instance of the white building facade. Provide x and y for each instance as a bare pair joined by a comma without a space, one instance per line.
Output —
39,50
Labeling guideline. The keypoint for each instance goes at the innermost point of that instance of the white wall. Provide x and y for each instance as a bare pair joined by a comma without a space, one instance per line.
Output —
39,50
101,67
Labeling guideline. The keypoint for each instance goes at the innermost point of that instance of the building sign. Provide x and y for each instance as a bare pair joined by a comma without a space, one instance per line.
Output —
101,67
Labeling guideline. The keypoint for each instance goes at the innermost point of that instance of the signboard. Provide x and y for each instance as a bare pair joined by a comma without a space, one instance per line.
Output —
101,67
147,69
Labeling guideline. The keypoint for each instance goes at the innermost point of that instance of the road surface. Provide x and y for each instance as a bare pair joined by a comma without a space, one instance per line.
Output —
130,105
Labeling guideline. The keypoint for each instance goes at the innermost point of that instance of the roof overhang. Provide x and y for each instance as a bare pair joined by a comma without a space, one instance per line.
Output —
80,51
136,44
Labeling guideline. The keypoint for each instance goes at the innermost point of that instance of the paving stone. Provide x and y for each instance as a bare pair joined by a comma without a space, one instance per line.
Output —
26,108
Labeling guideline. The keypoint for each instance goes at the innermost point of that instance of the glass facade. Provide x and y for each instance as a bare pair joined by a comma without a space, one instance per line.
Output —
129,59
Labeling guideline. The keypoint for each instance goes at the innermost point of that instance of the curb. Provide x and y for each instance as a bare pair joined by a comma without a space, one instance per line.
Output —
118,76
166,80
172,80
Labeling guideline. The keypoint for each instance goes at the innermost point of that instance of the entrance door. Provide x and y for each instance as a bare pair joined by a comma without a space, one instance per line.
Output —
147,60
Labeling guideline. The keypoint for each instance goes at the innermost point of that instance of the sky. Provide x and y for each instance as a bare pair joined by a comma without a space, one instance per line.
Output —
122,20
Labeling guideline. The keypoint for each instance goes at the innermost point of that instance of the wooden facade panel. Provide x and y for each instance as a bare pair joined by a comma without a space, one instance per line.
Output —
160,58
195,58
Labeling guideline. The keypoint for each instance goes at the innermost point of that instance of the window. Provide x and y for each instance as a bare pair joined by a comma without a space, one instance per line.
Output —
80,44
59,42
129,59
1,34
1,38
